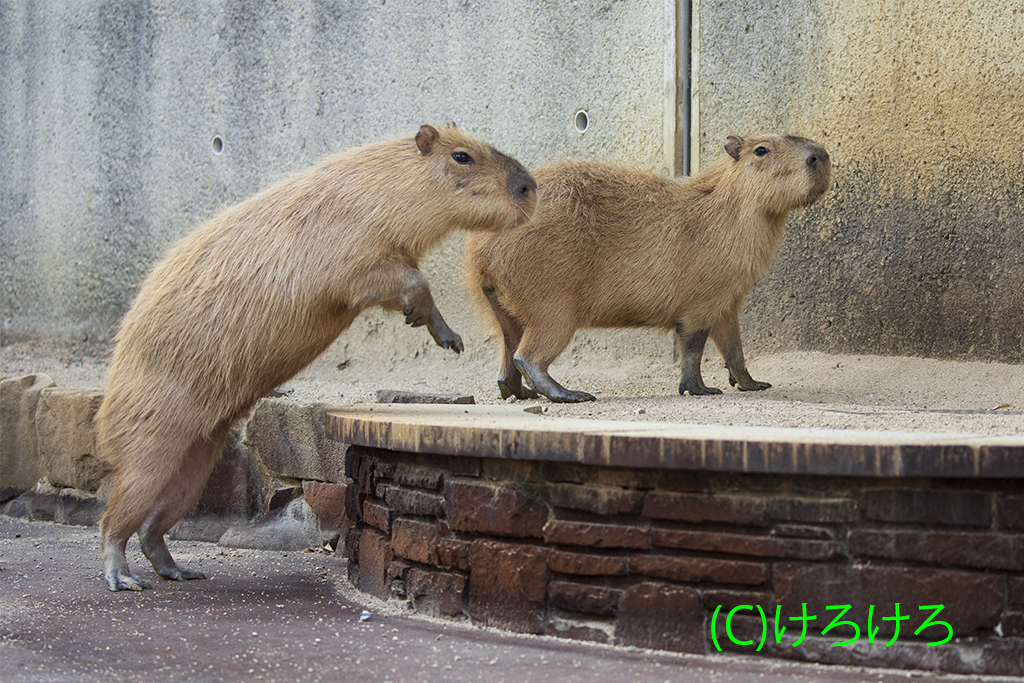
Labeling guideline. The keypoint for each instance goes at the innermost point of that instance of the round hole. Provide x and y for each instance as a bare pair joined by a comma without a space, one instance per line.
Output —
581,121
218,144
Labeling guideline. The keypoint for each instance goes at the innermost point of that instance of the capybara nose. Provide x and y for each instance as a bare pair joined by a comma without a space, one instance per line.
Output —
818,155
521,186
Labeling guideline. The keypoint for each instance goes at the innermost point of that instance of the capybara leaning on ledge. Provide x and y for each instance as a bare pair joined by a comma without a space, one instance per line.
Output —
615,246
255,294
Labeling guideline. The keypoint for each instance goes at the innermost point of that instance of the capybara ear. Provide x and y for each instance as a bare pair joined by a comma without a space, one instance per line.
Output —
733,145
425,138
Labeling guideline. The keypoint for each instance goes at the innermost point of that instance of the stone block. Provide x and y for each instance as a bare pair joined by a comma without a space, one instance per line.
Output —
508,586
511,510
586,564
917,506
589,630
20,467
746,544
661,617
66,438
289,440
453,553
403,501
48,503
745,509
436,594
591,535
699,569
979,550
578,597
397,396
1011,512
376,515
407,474
327,501
374,557
972,600
599,500
293,527
414,540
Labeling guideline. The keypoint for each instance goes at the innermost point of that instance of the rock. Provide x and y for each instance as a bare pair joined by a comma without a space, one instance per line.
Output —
293,527
20,468
395,396
66,438
288,438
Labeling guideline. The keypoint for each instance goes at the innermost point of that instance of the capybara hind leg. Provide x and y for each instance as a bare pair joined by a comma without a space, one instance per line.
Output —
692,344
726,335
510,380
177,498
136,492
535,354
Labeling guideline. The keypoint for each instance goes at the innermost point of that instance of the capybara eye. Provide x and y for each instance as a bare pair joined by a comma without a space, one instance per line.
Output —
761,151
462,157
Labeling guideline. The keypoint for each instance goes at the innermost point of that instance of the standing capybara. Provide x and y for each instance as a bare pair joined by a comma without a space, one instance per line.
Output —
255,294
614,246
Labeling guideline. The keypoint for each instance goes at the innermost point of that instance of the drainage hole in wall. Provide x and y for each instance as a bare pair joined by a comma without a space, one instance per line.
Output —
218,144
581,121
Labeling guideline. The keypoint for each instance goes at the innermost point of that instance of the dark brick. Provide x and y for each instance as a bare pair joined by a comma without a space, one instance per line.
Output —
745,544
1016,590
982,551
453,554
1011,624
416,541
417,476
352,545
745,509
591,535
698,569
661,617
959,508
599,500
403,501
578,597
376,515
436,594
354,500
1011,512
499,510
327,501
374,557
508,586
585,564
803,531
726,599
972,600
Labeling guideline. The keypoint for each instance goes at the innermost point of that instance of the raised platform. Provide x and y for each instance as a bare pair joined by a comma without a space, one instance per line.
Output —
695,538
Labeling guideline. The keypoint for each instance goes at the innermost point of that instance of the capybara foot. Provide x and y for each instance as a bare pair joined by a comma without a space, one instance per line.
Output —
118,580
697,388
176,573
570,396
507,390
744,382
443,335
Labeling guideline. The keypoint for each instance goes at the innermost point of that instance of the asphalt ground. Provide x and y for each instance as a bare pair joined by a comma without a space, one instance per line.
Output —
289,617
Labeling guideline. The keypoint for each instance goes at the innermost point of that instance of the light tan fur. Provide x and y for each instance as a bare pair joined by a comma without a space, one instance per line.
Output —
255,294
617,246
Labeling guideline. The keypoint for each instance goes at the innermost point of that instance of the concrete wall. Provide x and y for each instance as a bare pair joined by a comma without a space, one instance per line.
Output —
918,249
108,110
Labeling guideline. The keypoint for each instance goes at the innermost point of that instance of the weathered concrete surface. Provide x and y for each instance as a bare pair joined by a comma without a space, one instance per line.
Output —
67,438
272,616
917,249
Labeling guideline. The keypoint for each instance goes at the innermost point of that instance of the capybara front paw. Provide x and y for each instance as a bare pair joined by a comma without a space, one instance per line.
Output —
753,385
122,581
508,389
570,396
179,574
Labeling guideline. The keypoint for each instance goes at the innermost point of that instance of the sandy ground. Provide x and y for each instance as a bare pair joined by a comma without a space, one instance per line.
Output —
810,389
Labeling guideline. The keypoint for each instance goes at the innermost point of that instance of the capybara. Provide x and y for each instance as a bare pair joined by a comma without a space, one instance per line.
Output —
255,294
616,246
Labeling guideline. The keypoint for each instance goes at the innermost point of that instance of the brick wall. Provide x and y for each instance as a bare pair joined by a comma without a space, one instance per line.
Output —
689,561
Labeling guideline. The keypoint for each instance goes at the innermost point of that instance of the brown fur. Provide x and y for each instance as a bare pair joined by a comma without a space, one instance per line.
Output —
615,246
255,294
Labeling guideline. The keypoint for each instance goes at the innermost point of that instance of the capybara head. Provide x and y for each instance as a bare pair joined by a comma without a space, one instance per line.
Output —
486,188
779,172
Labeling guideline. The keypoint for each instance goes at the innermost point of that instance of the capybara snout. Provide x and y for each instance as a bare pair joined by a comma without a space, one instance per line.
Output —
619,246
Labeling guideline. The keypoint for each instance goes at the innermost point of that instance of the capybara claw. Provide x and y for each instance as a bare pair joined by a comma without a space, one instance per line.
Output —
125,582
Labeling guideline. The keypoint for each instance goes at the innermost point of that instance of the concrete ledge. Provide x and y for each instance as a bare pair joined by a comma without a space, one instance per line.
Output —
509,432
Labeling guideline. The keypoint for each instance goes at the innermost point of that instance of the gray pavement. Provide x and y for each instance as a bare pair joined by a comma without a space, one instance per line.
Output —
274,616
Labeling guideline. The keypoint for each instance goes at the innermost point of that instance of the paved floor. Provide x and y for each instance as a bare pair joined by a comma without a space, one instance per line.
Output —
273,616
